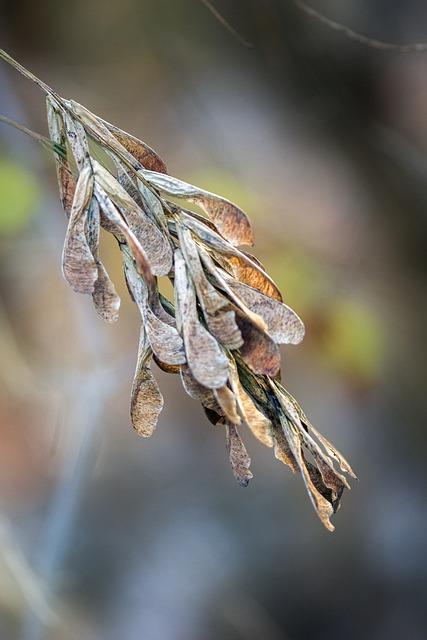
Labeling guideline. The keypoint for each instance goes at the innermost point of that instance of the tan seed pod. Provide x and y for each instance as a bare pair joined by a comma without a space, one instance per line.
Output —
78,265
206,359
146,399
239,459
230,221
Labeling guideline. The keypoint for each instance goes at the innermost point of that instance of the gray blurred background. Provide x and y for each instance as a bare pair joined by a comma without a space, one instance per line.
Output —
324,143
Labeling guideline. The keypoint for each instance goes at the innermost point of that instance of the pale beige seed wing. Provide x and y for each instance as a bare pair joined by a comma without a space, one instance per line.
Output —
155,243
114,217
322,506
228,403
164,339
66,180
231,222
219,317
99,132
259,351
331,478
146,399
258,423
78,264
197,391
284,325
243,266
104,296
77,140
216,276
206,359
138,149
239,459
328,446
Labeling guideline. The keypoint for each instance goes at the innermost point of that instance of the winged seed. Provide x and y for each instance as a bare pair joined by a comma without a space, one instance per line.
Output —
146,399
230,221
207,361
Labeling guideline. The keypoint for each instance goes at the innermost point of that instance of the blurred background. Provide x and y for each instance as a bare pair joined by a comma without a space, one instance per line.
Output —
324,143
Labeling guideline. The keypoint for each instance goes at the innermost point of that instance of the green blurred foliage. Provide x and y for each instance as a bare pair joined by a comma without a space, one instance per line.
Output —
19,197
354,341
300,279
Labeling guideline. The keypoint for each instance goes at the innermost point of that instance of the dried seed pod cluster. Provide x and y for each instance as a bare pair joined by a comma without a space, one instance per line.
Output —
221,333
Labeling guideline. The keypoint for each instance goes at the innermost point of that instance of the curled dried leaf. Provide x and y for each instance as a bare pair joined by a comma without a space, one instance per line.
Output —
146,399
207,361
231,222
239,459
78,265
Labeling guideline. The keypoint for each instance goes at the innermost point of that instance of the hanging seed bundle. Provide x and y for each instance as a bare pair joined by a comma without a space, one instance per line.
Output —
222,330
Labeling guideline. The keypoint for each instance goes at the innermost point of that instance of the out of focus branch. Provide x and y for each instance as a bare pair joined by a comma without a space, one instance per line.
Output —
214,11
417,47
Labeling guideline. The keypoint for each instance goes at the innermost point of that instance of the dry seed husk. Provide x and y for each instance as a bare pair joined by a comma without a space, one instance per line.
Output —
66,180
197,391
100,133
331,477
219,317
77,140
78,265
231,222
148,158
163,337
207,361
216,276
323,507
104,296
258,423
239,459
328,446
228,403
146,399
259,351
115,218
284,326
153,241
242,265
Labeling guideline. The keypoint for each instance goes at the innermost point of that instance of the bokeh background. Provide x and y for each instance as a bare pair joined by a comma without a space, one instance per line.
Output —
324,142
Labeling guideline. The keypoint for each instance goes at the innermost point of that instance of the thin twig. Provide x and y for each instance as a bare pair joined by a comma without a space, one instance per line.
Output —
417,47
214,11
16,65
45,142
